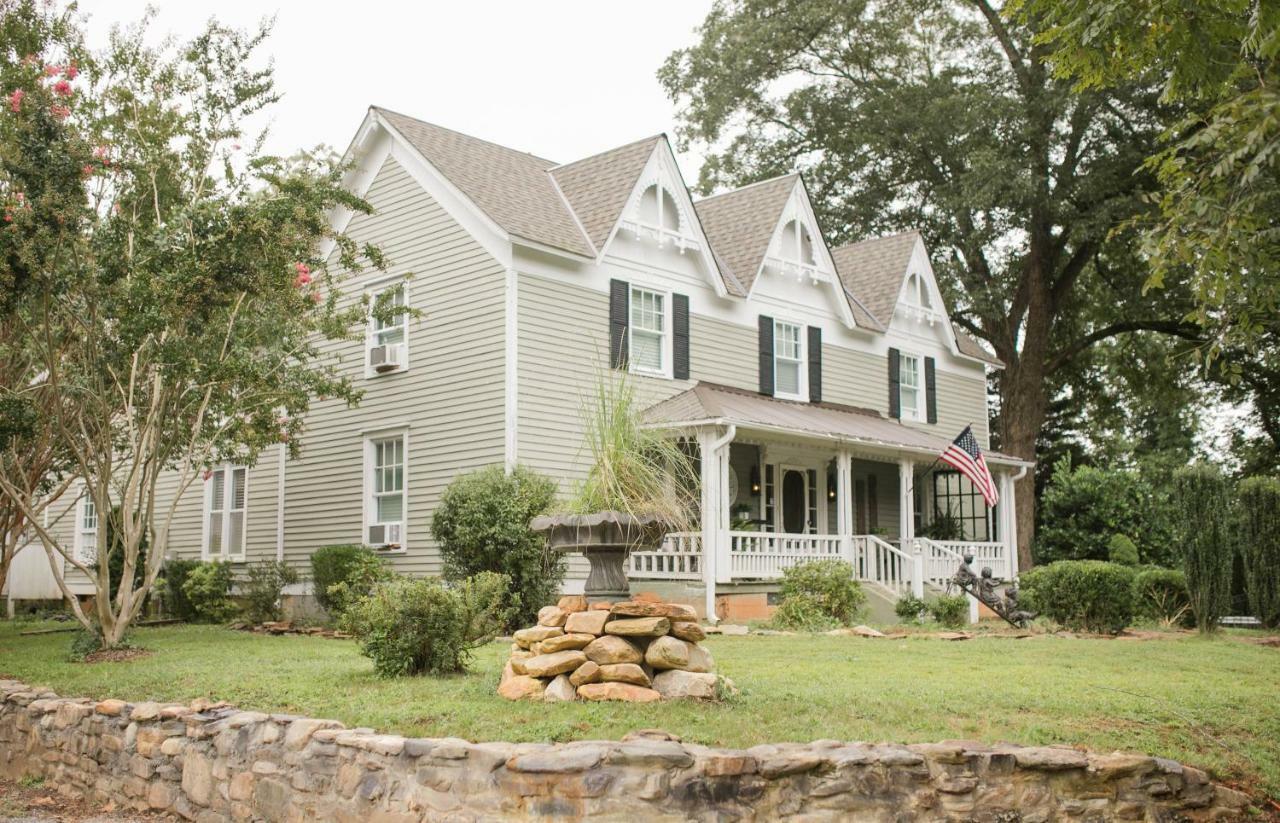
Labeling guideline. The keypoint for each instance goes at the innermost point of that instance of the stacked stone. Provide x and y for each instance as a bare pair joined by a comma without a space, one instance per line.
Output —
633,651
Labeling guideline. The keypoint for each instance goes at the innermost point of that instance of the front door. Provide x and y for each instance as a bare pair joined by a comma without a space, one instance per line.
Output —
795,501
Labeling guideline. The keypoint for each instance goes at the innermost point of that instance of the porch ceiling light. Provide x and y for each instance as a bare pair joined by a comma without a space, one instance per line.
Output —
755,480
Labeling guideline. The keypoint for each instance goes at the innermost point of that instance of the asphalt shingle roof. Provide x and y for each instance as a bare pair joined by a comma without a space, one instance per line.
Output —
739,224
597,187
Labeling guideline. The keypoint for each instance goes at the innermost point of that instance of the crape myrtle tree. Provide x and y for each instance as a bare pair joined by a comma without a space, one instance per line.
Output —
173,308
941,115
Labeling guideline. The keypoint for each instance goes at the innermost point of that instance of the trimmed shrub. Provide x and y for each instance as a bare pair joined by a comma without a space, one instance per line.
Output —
802,613
410,626
176,601
208,588
1161,595
828,585
482,525
911,609
951,610
1082,595
345,573
1083,507
1202,498
1122,550
1260,546
266,581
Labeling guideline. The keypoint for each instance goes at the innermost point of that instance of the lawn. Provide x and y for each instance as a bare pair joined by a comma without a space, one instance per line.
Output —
1211,703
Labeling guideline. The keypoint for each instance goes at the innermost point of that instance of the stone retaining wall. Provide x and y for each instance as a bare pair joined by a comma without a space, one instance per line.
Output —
212,762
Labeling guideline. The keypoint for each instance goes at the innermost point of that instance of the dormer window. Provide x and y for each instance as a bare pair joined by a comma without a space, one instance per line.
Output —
796,244
917,300
658,209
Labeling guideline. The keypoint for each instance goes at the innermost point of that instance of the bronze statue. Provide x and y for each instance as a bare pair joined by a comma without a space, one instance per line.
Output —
983,588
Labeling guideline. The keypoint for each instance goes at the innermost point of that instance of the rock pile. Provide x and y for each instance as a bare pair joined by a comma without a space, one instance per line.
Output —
639,652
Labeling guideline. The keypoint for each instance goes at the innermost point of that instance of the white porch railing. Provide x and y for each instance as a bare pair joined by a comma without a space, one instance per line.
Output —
679,558
994,555
764,555
877,561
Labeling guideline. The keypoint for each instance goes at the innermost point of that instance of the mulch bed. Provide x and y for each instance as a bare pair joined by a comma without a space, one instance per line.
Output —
286,627
115,655
41,802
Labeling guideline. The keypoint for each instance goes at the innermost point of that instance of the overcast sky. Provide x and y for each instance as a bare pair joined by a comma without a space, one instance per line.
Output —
559,79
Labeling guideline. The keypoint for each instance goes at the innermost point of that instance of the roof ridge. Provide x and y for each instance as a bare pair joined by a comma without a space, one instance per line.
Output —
893,236
773,179
559,166
493,143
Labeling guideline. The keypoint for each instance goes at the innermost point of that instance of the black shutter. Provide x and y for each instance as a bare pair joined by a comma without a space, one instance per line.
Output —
766,355
895,380
619,319
680,336
930,391
815,364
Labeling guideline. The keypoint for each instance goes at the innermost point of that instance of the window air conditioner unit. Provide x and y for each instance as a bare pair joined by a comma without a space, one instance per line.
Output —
385,536
385,358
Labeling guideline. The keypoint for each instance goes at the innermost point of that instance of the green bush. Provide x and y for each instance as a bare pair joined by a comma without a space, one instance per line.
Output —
911,609
413,626
825,585
1083,507
1260,546
802,613
84,643
208,588
176,601
1082,595
482,525
342,574
1202,498
262,590
951,610
1122,550
1161,595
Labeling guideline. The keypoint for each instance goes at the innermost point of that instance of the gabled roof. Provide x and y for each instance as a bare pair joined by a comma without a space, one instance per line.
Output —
873,270
706,402
597,187
512,187
739,224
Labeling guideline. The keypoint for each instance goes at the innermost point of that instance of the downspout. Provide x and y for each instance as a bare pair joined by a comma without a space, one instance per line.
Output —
711,552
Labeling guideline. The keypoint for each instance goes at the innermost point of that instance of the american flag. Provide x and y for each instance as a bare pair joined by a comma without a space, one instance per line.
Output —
965,455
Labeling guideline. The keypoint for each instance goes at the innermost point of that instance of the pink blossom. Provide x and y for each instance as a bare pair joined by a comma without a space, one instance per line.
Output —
86,170
51,69
59,111
302,268
235,147
15,100
100,152
71,71
207,474
62,88
8,216
301,280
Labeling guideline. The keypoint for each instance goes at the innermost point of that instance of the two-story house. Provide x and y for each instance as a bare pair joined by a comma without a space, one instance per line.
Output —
818,382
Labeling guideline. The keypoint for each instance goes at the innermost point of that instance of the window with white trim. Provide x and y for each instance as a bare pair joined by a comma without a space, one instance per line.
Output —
386,501
388,334
226,499
649,327
910,386
788,360
87,531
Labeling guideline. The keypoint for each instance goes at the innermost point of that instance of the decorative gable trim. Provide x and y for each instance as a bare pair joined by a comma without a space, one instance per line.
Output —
819,269
907,311
662,170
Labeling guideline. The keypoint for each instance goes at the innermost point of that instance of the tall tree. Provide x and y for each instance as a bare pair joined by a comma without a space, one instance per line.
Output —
941,115
177,325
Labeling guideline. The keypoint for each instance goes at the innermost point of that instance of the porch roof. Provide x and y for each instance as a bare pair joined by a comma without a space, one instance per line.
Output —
714,404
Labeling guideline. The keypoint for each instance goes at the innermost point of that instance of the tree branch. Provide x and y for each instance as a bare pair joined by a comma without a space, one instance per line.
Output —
1187,331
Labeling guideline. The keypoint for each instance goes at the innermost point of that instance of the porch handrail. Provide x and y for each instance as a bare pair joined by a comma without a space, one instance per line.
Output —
985,553
678,558
765,555
878,561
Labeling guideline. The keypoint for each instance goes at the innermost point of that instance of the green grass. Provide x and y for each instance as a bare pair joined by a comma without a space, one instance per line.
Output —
1210,703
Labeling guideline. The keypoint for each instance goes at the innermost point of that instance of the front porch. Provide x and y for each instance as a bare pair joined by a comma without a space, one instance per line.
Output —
848,485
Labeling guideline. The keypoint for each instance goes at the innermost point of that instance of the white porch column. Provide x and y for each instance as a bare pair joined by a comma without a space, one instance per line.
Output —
906,504
708,476
1009,521
844,503
724,567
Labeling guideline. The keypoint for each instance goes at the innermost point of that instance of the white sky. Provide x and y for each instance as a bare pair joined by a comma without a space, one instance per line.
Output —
559,79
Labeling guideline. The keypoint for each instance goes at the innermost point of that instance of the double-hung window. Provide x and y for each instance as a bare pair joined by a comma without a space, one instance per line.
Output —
225,505
910,386
388,337
788,360
648,332
87,531
386,502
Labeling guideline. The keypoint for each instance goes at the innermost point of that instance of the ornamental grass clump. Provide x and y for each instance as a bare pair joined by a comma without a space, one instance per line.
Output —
635,470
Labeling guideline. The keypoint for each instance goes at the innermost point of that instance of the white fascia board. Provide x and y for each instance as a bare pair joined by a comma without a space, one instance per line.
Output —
919,263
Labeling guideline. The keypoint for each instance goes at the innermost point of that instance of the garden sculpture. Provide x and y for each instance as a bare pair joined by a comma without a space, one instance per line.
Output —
983,587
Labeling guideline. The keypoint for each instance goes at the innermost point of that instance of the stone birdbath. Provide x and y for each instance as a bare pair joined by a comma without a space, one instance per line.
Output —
605,538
